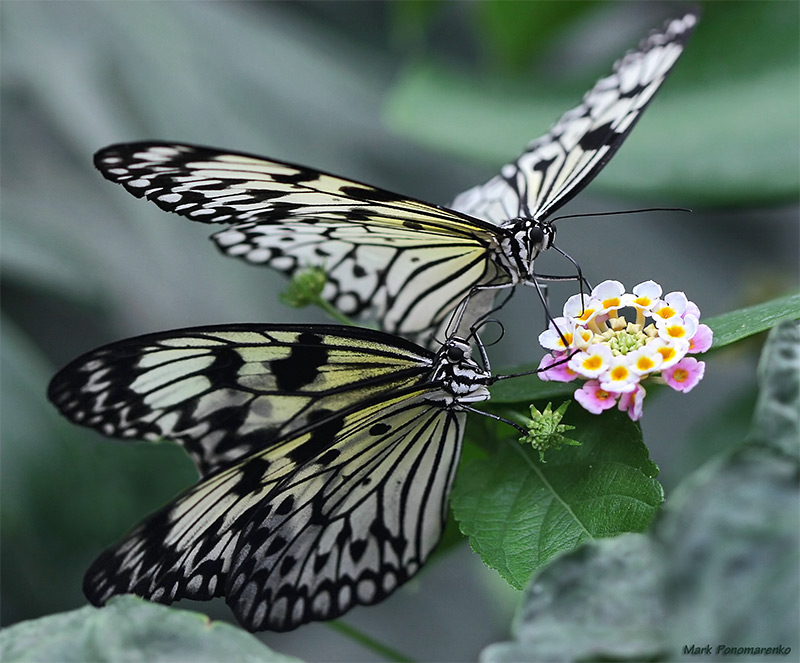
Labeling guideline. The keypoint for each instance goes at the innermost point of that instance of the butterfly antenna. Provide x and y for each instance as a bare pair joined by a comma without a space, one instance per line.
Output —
547,313
479,341
557,362
483,413
581,279
620,212
456,319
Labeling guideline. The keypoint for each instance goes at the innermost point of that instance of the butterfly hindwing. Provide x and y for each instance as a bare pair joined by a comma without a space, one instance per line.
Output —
224,392
335,516
556,166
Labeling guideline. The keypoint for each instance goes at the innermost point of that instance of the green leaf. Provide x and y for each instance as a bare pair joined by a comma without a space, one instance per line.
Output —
721,566
518,512
736,325
130,629
527,388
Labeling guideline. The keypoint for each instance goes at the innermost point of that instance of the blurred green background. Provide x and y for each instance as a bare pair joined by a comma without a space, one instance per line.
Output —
424,98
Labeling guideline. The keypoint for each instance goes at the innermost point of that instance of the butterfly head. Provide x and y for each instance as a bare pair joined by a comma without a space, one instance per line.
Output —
463,379
537,236
526,240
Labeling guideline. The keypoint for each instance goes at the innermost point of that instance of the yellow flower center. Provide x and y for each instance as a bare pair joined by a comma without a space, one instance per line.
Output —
592,363
665,312
645,363
619,373
681,375
676,331
666,352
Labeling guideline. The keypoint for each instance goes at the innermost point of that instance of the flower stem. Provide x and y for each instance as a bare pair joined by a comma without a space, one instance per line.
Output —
331,311
370,643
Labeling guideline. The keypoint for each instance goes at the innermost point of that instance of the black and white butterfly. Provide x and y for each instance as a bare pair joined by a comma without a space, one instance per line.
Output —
406,262
327,455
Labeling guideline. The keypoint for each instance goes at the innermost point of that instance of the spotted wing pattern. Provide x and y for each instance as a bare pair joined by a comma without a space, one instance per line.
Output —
226,392
337,515
558,165
405,262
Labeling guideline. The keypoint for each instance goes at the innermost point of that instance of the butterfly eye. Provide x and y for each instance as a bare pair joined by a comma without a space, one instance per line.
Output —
536,236
455,353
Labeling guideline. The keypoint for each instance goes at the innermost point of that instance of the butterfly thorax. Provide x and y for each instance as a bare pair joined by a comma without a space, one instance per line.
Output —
526,238
463,379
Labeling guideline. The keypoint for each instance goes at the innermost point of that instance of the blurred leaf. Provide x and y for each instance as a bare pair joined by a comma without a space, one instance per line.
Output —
600,603
130,629
722,566
730,531
519,512
411,19
512,32
719,431
66,492
690,143
736,325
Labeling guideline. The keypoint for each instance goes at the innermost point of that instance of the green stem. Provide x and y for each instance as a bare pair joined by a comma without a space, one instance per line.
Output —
370,643
331,311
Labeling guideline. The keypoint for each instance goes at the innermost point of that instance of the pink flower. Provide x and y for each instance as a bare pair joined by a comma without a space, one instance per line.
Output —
632,402
701,341
594,399
557,372
684,375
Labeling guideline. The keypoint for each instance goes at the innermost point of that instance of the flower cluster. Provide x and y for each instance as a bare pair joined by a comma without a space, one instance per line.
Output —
593,341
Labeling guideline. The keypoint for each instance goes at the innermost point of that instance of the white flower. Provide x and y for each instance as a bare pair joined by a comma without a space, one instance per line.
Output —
581,309
615,355
677,328
609,294
591,362
553,337
645,360
619,378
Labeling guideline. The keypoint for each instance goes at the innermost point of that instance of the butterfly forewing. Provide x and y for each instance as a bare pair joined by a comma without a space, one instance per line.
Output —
326,519
405,262
225,392
563,161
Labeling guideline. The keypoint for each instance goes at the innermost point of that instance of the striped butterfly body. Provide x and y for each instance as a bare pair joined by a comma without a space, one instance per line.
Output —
327,456
406,262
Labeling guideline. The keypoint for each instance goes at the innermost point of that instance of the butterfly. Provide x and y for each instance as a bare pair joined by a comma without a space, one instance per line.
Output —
327,454
405,262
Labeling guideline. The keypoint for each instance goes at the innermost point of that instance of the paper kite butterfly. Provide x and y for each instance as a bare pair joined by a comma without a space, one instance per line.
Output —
327,454
406,262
